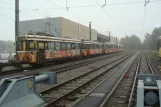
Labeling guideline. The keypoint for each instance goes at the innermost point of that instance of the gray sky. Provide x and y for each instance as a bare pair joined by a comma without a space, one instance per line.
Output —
124,16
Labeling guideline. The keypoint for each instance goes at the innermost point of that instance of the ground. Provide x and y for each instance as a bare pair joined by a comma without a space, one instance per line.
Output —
155,62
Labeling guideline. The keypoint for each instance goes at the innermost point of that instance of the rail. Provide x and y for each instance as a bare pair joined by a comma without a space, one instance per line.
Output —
149,65
104,103
76,88
134,83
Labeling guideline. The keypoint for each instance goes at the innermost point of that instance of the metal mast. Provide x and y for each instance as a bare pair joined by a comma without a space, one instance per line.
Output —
16,21
90,31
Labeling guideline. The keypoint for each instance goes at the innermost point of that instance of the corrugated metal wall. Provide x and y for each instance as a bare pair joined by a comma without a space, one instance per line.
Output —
59,27
48,25
75,30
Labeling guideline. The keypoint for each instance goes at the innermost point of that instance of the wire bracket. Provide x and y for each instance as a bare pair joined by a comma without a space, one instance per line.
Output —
104,4
146,2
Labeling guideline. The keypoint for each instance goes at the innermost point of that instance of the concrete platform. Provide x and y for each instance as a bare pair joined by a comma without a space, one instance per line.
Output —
3,61
97,96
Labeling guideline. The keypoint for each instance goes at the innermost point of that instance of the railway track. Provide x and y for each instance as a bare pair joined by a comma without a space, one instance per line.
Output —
70,74
55,95
57,68
145,66
124,92
84,63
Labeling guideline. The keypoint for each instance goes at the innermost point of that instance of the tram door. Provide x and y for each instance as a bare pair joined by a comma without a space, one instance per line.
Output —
41,51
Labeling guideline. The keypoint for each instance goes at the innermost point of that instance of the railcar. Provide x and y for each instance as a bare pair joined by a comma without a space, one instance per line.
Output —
89,48
35,49
159,47
120,47
108,47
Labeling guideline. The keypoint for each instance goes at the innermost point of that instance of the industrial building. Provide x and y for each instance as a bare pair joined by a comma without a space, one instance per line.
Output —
59,27
62,27
105,37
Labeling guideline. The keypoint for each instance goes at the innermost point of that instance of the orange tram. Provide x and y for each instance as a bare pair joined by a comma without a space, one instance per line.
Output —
36,49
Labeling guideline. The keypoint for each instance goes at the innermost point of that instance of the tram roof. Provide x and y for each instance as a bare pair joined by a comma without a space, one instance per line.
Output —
46,38
92,42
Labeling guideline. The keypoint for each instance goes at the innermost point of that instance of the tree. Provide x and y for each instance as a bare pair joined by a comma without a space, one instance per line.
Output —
151,40
132,42
7,45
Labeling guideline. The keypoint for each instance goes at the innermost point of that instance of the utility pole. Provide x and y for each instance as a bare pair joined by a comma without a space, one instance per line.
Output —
116,43
116,40
90,30
16,22
109,36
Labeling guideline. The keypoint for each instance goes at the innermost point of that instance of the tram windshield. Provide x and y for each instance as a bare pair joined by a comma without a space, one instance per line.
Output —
25,45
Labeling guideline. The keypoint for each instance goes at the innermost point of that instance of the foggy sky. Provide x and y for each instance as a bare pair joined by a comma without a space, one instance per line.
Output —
121,18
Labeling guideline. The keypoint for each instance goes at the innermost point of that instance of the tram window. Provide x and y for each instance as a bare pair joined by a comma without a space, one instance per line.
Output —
90,46
19,46
24,46
77,46
68,46
73,46
51,45
98,46
110,46
85,46
46,46
31,45
63,46
28,45
41,45
93,46
103,46
57,46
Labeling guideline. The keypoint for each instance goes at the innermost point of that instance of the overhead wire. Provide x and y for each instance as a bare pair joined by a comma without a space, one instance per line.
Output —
87,6
142,30
22,11
35,10
111,18
7,17
22,8
145,4
67,9
138,2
